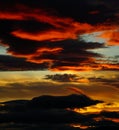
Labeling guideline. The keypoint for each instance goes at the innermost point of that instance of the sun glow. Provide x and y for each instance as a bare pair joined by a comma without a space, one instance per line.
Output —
98,108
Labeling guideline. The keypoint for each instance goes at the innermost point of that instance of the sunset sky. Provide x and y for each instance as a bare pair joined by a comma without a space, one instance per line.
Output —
60,47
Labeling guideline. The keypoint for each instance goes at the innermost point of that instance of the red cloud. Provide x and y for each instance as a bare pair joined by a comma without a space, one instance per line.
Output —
11,16
65,28
112,37
88,67
50,35
62,29
36,57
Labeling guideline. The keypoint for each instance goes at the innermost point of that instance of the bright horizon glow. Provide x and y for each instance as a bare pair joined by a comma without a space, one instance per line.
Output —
99,107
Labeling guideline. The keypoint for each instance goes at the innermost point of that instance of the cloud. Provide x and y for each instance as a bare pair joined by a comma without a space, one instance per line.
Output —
29,89
65,28
73,78
56,55
112,82
9,63
106,118
74,9
112,37
108,114
54,39
62,77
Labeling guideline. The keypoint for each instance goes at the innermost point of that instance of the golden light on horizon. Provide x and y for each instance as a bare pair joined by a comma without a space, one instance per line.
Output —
98,108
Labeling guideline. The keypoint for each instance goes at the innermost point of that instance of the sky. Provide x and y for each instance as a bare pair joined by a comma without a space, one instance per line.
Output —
59,48
59,59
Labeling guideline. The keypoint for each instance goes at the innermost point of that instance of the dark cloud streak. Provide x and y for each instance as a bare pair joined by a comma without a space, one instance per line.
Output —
9,63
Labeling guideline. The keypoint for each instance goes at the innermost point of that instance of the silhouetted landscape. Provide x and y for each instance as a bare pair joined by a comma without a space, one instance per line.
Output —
53,112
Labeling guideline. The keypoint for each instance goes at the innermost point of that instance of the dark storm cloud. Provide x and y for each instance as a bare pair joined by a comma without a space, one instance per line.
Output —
38,116
105,119
73,78
114,81
39,127
41,117
47,32
9,63
63,77
108,114
63,53
78,10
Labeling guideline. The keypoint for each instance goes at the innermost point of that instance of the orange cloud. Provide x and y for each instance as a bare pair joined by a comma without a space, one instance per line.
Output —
50,35
61,29
88,68
66,28
75,68
11,16
112,37
47,50
39,52
109,66
116,120
83,80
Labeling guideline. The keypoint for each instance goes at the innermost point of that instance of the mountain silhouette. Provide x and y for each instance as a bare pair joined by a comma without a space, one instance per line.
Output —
70,101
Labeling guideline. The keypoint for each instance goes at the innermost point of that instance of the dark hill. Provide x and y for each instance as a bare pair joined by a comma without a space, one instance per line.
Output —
70,101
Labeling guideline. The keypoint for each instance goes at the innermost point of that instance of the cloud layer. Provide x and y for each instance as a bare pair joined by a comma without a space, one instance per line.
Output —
48,34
